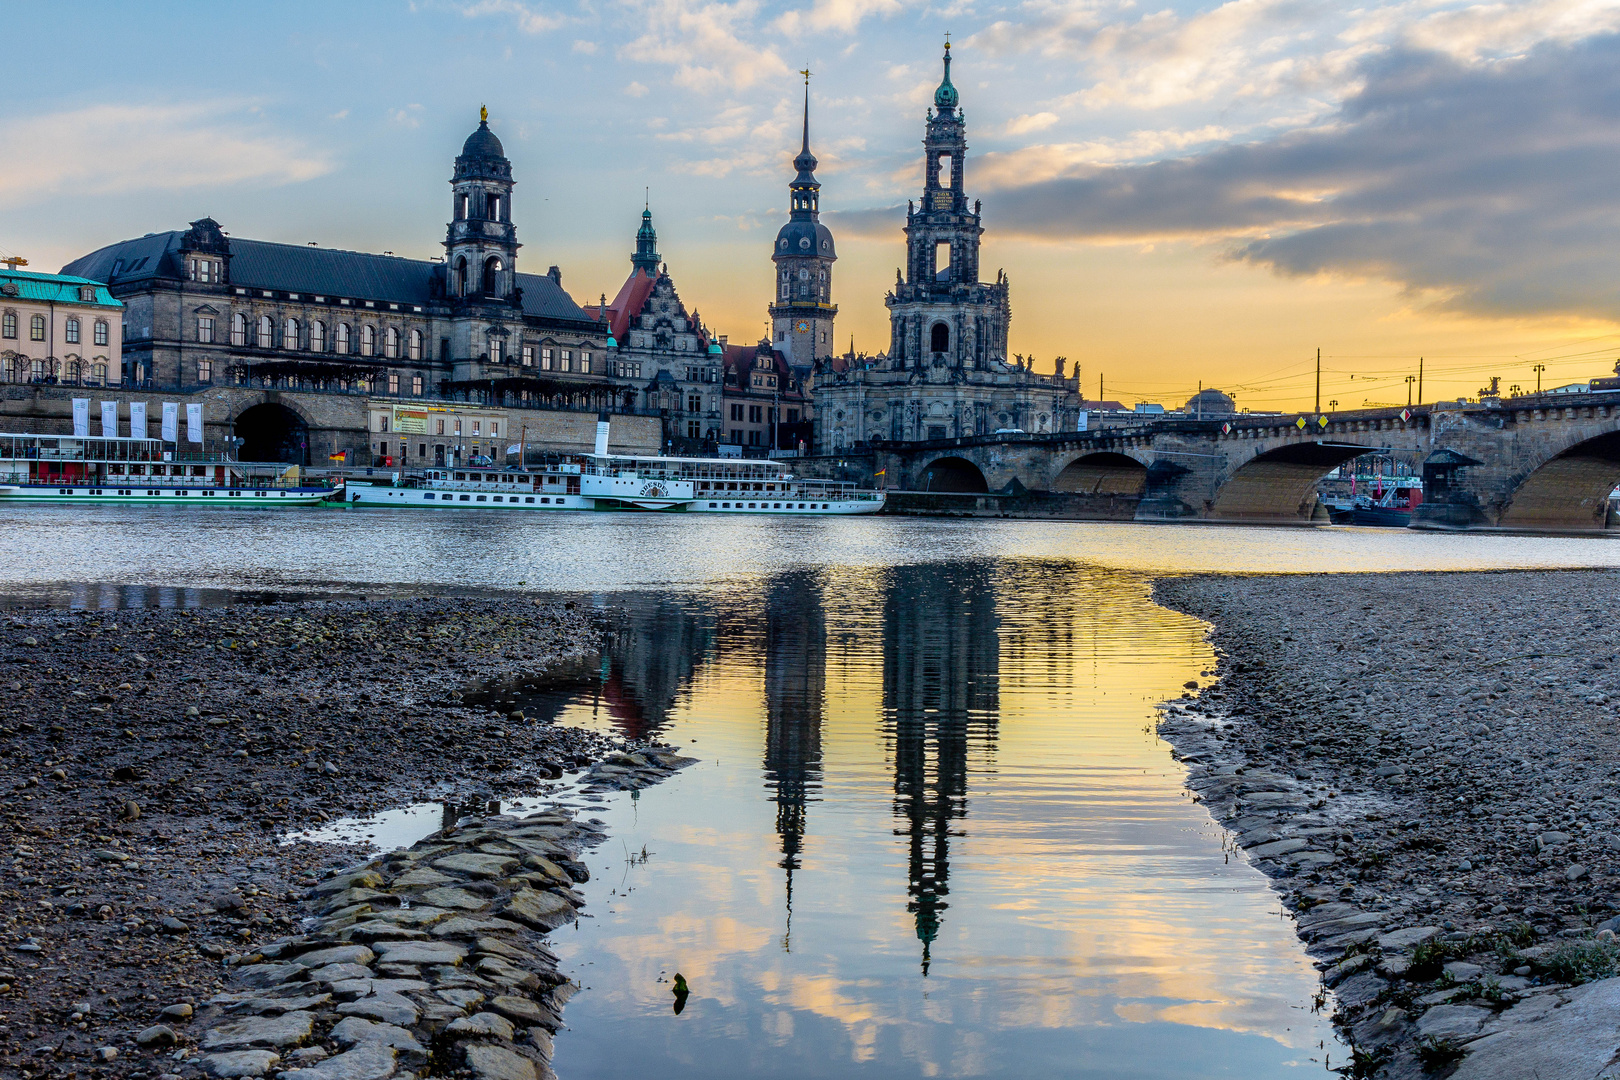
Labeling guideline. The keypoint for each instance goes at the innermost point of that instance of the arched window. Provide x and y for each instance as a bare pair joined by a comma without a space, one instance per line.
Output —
8,326
36,328
267,332
342,337
391,343
101,332
368,340
317,336
939,338
99,373
71,332
492,276
8,369
416,344
289,334
238,329
73,370
459,286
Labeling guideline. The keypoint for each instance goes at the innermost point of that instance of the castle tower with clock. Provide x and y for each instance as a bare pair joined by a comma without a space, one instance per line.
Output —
802,310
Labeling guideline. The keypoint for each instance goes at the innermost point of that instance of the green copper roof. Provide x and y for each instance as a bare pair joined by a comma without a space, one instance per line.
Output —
945,97
56,288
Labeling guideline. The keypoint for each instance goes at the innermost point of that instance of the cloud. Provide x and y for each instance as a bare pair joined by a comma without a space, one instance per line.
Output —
1488,185
409,116
839,16
1029,122
111,148
524,16
704,41
635,89
586,47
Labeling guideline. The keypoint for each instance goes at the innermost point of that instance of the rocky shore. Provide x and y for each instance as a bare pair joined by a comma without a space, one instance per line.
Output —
154,761
1428,766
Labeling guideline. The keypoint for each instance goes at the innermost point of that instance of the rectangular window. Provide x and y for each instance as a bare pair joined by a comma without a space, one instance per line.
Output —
694,429
393,384
494,429
8,325
475,426
694,403
205,371
495,350
528,356
545,359
567,360
736,411
71,332
754,414
205,330
793,416
458,427
753,438
441,426
36,328
585,363
416,385
382,423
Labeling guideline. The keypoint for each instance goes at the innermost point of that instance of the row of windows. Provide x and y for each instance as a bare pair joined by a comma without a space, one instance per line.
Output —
477,427
14,369
761,414
36,329
314,336
550,359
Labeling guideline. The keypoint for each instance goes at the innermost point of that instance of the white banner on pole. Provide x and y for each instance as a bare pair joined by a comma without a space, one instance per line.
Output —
81,417
194,424
137,419
109,419
1085,419
171,421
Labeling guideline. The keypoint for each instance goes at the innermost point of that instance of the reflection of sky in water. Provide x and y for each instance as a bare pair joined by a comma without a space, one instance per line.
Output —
938,769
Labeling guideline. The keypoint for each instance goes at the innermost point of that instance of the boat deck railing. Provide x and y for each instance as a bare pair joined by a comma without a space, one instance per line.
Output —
235,483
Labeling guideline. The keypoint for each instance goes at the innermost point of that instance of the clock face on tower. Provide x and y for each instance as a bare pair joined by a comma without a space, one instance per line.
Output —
802,326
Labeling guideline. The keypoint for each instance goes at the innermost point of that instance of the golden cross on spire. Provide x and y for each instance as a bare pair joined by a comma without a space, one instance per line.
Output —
947,41
806,74
483,115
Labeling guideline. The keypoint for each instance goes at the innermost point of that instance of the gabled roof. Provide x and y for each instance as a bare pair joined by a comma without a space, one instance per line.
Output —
261,264
55,288
627,305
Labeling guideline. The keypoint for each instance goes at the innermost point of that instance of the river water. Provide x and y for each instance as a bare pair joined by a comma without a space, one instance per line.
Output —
931,832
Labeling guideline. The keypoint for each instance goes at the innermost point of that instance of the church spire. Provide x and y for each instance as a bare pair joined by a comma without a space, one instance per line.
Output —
946,98
646,258
805,189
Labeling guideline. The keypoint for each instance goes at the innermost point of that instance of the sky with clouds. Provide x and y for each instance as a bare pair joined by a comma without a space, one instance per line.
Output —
1182,193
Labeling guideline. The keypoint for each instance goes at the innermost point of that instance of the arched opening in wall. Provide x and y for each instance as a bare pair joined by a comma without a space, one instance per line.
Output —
953,474
1280,485
492,276
1103,474
939,338
272,432
1570,491
459,288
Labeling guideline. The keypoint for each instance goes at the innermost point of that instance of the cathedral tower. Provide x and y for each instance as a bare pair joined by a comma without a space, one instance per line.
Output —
942,317
646,257
481,243
802,312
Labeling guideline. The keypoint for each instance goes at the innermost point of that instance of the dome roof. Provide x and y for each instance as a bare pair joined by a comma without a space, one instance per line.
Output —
482,143
805,238
1210,402
946,97
715,349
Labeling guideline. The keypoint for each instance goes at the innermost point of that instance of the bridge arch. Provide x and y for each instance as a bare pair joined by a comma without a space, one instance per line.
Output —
953,474
273,431
1570,490
1280,485
1102,473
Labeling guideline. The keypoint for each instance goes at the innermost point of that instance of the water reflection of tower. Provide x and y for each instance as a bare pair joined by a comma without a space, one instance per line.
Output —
657,644
941,680
795,692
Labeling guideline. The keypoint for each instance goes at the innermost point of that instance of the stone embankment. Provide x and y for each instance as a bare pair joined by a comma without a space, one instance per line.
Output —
1428,765
421,962
154,760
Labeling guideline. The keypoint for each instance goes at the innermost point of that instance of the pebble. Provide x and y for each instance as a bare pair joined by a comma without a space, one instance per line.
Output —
157,1035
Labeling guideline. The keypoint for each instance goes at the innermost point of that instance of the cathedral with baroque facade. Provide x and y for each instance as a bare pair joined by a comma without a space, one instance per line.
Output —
946,373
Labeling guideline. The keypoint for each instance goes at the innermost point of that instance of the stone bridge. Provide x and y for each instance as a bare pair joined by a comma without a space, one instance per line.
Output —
1545,462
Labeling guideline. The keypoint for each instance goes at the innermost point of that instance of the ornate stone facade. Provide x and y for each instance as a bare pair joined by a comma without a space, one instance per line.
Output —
946,373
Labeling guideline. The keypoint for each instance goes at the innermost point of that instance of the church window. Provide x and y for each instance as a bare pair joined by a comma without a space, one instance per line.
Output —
289,334
368,340
205,371
939,338
492,276
267,332
36,328
416,344
8,326
238,329
391,343
342,337
416,387
71,332
317,336
205,329
942,259
458,287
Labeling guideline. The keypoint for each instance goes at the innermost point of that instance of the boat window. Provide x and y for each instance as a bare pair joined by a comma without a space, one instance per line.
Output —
726,506
483,498
464,498
498,499
712,506
545,500
529,499
429,495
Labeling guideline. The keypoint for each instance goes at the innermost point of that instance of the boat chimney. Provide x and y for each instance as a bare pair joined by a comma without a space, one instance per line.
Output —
601,434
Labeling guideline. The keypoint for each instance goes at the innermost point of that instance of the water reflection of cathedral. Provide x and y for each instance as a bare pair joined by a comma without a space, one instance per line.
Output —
655,649
795,645
941,681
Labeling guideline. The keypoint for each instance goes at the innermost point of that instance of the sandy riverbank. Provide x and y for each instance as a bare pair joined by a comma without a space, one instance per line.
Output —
152,759
1428,765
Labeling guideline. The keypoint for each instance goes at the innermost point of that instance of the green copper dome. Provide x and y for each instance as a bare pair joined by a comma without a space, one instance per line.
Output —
945,97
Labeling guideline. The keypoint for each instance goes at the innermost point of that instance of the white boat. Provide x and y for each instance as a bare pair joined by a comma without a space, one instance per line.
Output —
84,469
603,481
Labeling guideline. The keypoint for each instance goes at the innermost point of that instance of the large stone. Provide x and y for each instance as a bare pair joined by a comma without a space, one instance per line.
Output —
541,910
484,1024
265,975
1454,1022
463,927
423,915
446,896
476,865
1278,848
1410,938
1569,1033
338,954
288,1029
352,1030
1359,990
361,879
420,952
239,1063
525,1011
421,878
337,973
389,1008
367,1061
507,974
490,1061
268,1006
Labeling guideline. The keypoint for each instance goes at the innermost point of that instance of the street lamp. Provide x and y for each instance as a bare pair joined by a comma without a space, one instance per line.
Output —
1410,379
1538,369
1334,404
